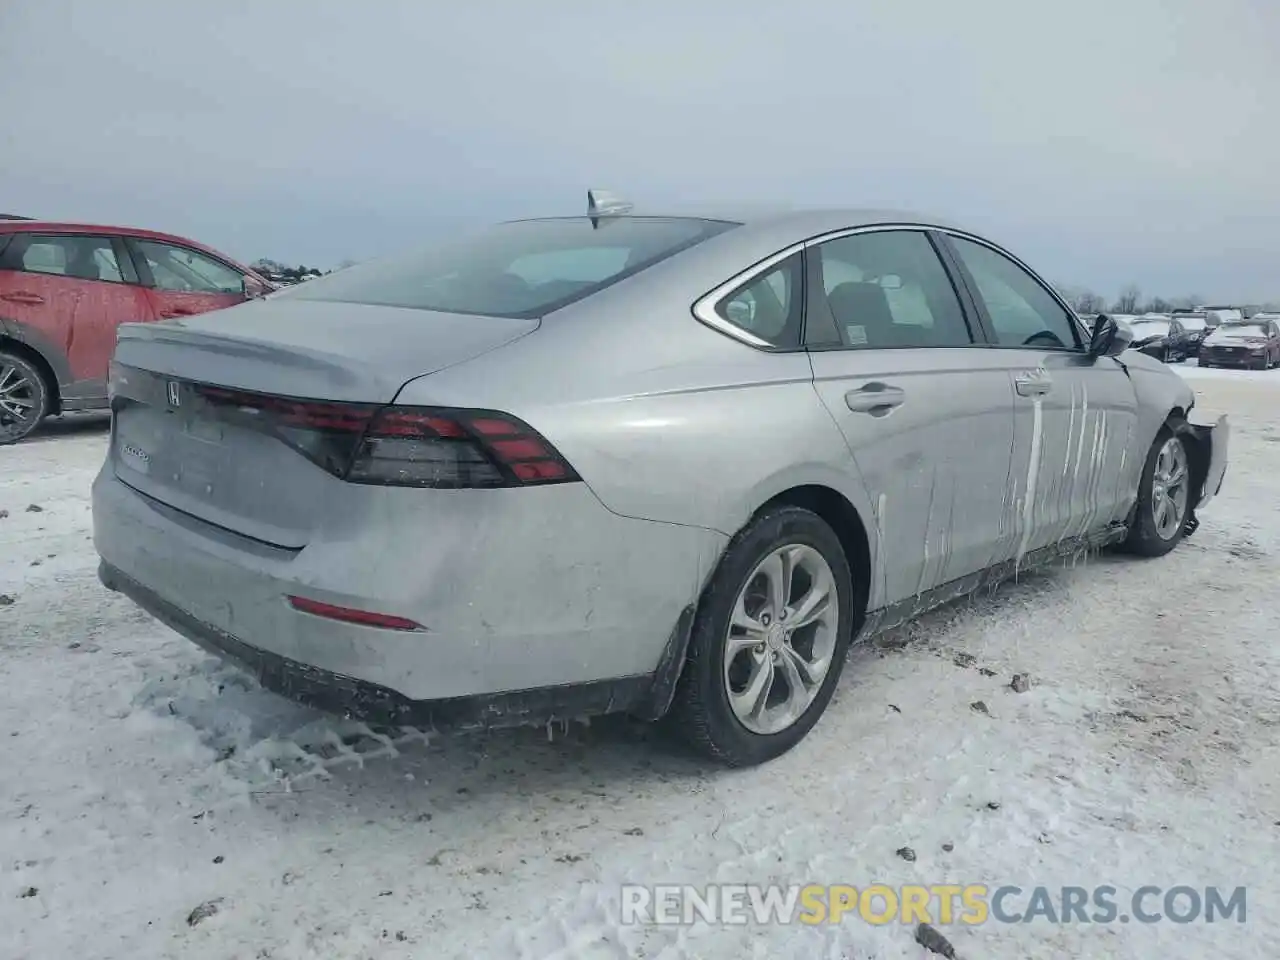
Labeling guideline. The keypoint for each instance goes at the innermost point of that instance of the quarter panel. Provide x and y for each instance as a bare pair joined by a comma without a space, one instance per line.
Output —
685,426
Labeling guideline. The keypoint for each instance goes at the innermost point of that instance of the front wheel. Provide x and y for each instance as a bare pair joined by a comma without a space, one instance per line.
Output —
24,397
769,640
1164,497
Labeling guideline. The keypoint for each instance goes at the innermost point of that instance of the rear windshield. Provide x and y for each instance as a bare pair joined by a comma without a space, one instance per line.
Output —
521,269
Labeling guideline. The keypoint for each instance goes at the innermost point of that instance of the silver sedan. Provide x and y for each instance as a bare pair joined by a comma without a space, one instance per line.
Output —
668,465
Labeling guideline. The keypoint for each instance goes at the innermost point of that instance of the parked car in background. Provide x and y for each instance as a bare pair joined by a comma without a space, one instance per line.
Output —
1253,343
667,465
1162,337
1216,316
1196,326
65,288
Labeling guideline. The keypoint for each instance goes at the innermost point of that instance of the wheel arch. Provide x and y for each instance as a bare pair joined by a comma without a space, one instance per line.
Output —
20,348
843,518
836,510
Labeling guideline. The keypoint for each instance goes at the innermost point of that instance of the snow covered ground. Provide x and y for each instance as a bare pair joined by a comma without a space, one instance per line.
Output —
142,780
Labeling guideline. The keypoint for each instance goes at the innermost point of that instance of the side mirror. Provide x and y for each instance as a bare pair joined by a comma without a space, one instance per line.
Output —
253,288
1108,338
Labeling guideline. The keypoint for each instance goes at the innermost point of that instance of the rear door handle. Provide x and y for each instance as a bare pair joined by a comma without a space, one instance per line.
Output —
20,296
1034,383
176,312
877,399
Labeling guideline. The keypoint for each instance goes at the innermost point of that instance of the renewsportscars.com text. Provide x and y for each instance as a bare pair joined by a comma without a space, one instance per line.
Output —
941,904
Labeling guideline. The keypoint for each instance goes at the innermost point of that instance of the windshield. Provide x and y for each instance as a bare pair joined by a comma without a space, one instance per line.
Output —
1142,329
1191,323
1240,331
521,269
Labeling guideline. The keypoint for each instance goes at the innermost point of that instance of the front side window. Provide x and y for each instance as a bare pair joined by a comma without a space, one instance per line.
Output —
522,269
69,255
768,305
1023,313
182,270
885,289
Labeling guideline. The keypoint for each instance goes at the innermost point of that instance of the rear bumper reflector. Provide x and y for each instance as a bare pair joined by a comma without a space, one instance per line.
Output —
365,618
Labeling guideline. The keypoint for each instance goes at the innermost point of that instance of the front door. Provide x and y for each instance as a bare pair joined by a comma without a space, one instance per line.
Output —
1075,415
183,281
926,413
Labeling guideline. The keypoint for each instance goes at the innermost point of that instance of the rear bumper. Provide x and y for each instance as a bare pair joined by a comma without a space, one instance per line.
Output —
351,697
529,589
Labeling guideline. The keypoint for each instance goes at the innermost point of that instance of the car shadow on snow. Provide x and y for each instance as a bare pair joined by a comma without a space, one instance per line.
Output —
270,747
71,425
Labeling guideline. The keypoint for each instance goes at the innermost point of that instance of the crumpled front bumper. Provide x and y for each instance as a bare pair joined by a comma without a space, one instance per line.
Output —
1211,441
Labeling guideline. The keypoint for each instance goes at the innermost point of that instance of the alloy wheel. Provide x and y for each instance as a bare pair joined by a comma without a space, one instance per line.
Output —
1170,488
781,638
18,398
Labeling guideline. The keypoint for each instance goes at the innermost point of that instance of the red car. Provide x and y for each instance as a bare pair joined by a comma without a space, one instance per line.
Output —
65,288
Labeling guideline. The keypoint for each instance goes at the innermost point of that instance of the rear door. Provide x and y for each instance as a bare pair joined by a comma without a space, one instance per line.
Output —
182,281
925,410
1075,415
74,290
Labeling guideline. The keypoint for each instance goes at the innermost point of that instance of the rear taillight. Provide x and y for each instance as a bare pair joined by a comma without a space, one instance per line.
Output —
403,446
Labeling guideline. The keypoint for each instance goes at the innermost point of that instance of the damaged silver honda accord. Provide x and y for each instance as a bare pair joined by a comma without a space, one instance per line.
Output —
667,465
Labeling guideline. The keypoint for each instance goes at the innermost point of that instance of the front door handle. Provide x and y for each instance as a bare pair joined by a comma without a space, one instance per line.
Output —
21,296
176,312
1034,383
877,399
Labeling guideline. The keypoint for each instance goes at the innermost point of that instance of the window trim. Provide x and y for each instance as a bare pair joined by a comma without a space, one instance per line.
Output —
993,340
147,279
704,309
12,252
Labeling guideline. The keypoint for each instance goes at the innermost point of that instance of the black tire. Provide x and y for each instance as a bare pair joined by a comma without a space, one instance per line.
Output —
1144,538
700,712
24,382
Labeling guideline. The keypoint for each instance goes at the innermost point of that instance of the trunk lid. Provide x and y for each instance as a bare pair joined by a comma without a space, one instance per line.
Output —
235,471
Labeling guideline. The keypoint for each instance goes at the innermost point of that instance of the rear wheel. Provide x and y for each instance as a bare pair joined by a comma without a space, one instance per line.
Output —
1164,497
24,397
769,640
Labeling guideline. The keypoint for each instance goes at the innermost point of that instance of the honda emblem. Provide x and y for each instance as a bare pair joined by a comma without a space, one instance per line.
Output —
175,399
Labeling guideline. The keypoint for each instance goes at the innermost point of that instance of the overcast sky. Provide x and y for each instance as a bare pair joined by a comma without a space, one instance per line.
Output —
1103,140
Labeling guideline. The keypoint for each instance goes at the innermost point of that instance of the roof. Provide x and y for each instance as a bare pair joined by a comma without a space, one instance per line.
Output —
60,226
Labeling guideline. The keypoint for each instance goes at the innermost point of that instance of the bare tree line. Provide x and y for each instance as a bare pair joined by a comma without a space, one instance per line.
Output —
1130,301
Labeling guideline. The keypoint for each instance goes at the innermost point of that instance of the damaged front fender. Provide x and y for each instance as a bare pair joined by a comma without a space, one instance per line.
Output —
1207,448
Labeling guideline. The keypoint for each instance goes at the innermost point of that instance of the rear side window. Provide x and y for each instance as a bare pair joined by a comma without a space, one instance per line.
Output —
768,306
70,255
519,270
886,289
